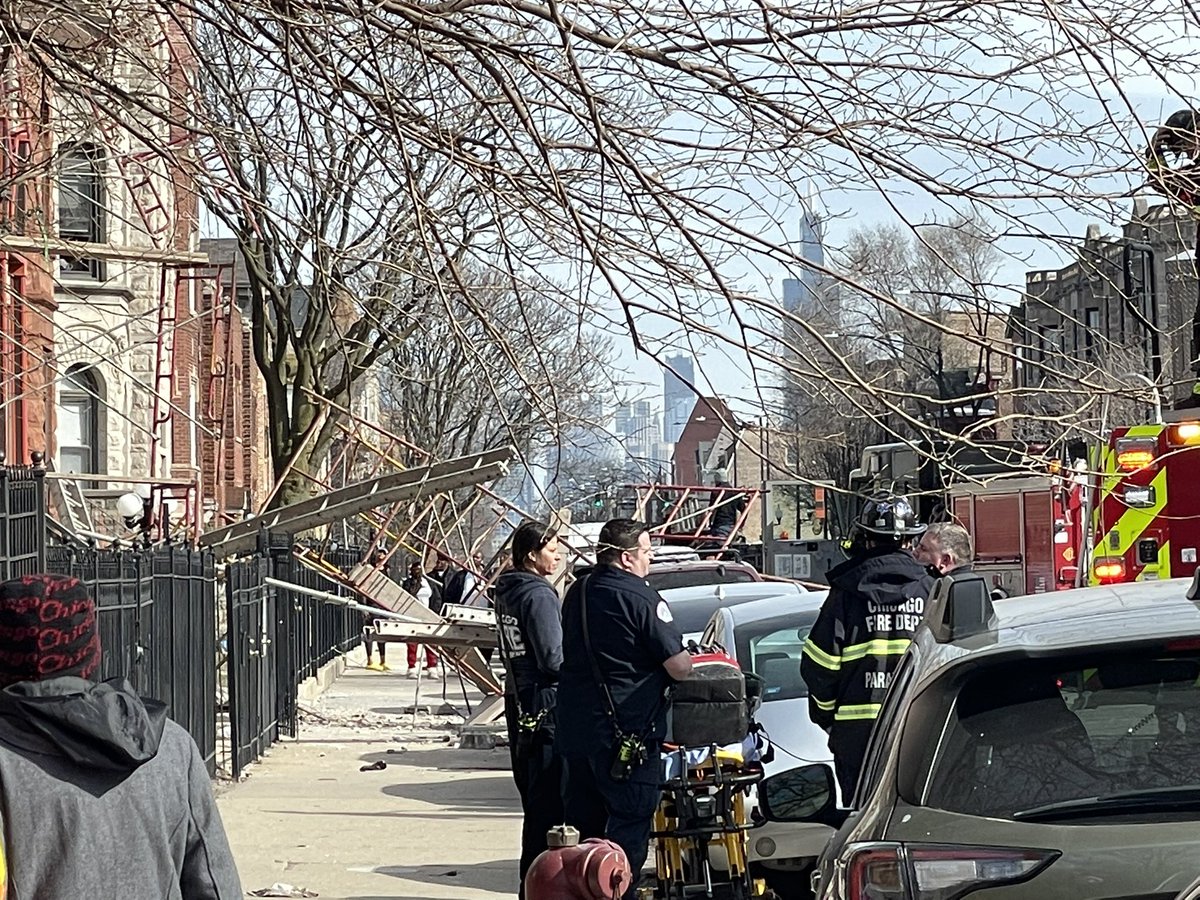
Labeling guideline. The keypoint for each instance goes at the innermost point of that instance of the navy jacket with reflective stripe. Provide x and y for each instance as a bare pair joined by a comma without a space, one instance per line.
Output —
876,601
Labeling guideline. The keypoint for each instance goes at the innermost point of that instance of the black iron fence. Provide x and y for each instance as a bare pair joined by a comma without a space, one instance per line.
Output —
159,613
22,520
277,639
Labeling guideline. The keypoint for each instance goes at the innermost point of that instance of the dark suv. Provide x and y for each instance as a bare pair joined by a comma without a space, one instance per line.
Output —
1039,747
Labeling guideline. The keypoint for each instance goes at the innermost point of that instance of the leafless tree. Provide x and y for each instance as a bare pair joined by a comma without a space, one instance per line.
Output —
939,326
494,366
644,155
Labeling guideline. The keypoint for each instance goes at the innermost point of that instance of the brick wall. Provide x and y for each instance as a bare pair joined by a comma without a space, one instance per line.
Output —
234,458
27,302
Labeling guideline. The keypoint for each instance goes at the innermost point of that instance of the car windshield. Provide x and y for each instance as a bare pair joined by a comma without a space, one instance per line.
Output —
680,578
1039,741
771,649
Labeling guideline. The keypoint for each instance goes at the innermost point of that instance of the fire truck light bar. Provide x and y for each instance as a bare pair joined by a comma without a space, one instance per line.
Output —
1139,496
1133,456
1109,569
1185,433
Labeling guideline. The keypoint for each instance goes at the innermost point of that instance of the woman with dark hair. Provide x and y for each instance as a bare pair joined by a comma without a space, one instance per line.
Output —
529,626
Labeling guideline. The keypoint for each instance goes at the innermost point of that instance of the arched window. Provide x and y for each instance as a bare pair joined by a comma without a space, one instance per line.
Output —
78,429
81,203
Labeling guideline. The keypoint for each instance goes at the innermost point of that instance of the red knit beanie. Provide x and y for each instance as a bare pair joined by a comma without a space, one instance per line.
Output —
47,629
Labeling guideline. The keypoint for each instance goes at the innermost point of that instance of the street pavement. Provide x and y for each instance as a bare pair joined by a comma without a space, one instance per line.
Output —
438,822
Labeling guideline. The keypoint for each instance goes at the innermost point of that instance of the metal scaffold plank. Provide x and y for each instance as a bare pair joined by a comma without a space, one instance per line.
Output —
361,497
385,593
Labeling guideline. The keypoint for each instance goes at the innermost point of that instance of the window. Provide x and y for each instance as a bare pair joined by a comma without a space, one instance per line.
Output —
79,421
81,206
771,650
1091,321
1065,741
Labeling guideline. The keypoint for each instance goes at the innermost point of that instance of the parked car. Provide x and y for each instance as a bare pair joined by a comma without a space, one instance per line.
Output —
1035,747
693,607
668,575
766,637
580,539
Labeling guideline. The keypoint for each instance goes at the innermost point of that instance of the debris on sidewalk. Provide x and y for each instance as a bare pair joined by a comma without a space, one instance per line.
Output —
279,889
377,766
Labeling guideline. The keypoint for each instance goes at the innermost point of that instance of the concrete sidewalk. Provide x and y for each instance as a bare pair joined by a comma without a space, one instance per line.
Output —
438,822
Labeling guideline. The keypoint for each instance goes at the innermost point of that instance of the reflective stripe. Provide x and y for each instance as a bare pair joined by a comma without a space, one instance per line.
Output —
825,705
877,647
864,711
820,657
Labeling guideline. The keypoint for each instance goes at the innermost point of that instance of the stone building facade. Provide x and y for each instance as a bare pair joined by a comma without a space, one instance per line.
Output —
1118,315
132,366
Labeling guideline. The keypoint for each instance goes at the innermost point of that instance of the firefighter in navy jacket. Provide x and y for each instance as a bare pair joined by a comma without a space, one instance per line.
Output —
876,600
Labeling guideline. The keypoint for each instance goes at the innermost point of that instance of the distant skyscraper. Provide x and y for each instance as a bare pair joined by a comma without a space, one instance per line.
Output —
678,397
801,295
639,425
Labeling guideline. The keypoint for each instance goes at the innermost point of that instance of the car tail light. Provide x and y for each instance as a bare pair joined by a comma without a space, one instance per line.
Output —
938,872
1135,455
1109,569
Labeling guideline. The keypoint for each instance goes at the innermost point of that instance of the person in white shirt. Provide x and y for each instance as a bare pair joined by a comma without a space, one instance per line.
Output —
418,585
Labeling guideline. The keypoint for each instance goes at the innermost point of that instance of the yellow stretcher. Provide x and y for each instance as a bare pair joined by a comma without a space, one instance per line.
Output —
702,825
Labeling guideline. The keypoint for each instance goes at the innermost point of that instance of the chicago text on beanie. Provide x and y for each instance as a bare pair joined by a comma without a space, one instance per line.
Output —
47,629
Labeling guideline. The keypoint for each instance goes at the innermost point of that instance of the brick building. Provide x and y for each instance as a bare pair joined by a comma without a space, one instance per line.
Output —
234,406
709,416
27,302
119,357
1120,312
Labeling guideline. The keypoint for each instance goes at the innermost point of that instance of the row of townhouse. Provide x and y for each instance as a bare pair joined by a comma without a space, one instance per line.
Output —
123,354
1119,316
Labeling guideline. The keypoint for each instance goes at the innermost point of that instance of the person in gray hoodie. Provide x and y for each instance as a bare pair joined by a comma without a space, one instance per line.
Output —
529,624
101,795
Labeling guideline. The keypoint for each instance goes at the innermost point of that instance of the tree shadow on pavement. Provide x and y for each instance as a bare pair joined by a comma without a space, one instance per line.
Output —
496,877
494,792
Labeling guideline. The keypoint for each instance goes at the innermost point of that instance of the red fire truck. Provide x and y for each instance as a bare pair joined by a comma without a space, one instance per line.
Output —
1027,530
1146,517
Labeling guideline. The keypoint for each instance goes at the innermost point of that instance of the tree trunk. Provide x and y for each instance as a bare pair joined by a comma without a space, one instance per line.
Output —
296,486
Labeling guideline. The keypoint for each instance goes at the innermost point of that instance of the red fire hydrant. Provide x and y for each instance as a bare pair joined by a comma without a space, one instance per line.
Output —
569,870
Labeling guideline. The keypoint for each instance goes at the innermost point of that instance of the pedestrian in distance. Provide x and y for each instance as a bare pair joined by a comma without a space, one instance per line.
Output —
876,601
418,585
102,794
727,506
529,636
379,559
622,651
438,576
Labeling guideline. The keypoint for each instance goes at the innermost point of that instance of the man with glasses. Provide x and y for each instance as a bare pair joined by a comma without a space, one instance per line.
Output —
621,653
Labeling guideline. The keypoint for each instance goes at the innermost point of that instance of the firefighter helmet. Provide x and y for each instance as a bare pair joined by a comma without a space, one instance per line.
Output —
889,515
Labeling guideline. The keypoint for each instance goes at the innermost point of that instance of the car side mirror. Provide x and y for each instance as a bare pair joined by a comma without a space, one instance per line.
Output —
805,794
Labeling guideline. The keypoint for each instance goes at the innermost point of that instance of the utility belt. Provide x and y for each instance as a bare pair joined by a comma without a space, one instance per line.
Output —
529,730
630,751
